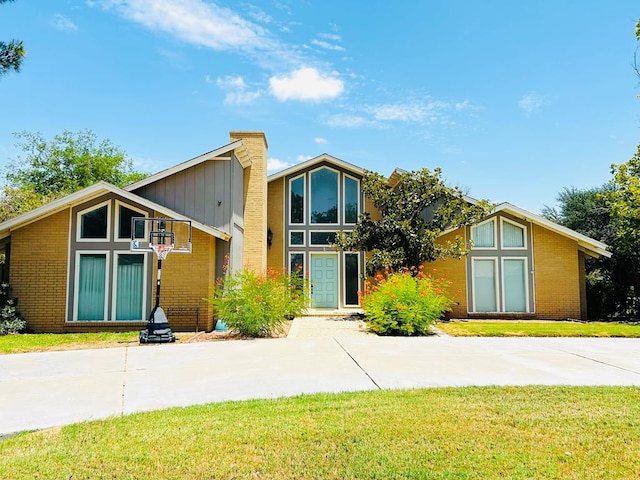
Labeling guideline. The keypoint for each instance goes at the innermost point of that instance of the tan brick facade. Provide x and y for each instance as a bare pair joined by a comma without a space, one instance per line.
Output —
38,271
455,271
276,219
557,269
255,206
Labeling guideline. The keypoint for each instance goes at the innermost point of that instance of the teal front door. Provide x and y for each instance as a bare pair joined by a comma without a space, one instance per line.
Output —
324,281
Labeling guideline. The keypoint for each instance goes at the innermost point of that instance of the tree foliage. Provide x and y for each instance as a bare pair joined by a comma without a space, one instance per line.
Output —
11,54
51,169
414,213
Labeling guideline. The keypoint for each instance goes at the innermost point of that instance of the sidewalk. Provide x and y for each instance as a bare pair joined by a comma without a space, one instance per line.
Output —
39,390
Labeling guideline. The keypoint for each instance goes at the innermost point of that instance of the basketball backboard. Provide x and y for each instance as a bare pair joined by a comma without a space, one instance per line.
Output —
146,232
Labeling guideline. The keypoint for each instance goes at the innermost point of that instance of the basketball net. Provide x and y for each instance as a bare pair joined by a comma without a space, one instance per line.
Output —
162,250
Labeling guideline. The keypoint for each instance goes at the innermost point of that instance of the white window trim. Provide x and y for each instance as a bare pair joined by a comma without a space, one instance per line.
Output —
473,282
524,233
304,238
344,198
495,234
526,284
115,286
320,231
344,280
79,223
304,199
304,262
76,284
116,230
338,196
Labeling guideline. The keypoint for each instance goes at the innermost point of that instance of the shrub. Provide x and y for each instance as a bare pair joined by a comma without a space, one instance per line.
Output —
10,321
257,305
405,303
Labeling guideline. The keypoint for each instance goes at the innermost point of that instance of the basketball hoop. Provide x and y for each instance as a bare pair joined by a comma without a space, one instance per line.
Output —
162,250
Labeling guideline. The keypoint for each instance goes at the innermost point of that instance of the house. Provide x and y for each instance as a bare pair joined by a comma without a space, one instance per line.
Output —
71,265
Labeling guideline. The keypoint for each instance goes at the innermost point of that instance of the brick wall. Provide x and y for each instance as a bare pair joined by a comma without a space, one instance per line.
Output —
38,271
255,211
455,271
275,221
186,282
557,275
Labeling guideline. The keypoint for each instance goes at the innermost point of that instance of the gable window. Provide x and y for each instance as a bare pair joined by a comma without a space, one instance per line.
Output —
93,223
296,238
513,235
324,196
322,238
484,234
351,197
296,214
129,288
125,216
485,289
514,284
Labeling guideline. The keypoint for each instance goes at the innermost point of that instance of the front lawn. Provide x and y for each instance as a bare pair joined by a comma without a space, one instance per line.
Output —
41,342
448,433
532,328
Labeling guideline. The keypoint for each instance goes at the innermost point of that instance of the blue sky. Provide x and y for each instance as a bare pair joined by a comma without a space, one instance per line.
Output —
513,100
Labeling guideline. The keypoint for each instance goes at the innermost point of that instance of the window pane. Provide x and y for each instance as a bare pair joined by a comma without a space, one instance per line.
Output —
484,285
482,235
296,238
124,223
323,238
324,196
91,286
93,224
512,235
351,280
350,200
129,294
515,296
296,263
297,200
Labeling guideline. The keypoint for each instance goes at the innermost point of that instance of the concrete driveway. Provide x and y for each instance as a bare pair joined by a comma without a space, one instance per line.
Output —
39,390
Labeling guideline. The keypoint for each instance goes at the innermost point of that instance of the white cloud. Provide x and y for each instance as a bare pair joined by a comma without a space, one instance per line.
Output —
274,164
303,158
406,113
327,45
349,121
64,24
236,89
330,36
203,24
306,84
532,102
320,140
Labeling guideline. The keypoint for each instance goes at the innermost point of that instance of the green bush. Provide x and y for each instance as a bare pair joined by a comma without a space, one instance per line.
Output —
405,303
10,321
257,305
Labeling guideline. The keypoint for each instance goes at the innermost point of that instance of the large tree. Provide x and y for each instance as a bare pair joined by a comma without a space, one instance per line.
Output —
11,53
415,211
49,169
611,282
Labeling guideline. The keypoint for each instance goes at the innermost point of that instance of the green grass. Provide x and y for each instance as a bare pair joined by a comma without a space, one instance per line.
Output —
539,329
449,433
40,342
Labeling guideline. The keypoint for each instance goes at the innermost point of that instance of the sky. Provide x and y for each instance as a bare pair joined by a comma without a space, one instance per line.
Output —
513,100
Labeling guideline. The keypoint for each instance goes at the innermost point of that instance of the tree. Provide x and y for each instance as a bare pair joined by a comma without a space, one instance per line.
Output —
611,282
11,54
415,212
52,169
624,202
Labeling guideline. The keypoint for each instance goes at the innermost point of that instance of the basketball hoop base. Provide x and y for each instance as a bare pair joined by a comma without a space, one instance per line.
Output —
158,329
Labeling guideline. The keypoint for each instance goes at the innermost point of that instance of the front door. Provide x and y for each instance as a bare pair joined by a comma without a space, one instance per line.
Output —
324,280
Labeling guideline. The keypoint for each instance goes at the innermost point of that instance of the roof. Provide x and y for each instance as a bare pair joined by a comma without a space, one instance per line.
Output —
218,154
314,161
94,191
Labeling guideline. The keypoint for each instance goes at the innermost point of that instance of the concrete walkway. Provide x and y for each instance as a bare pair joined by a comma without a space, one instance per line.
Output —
39,390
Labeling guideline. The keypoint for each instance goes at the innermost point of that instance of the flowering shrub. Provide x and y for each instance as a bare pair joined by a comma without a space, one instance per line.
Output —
257,305
405,302
10,320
